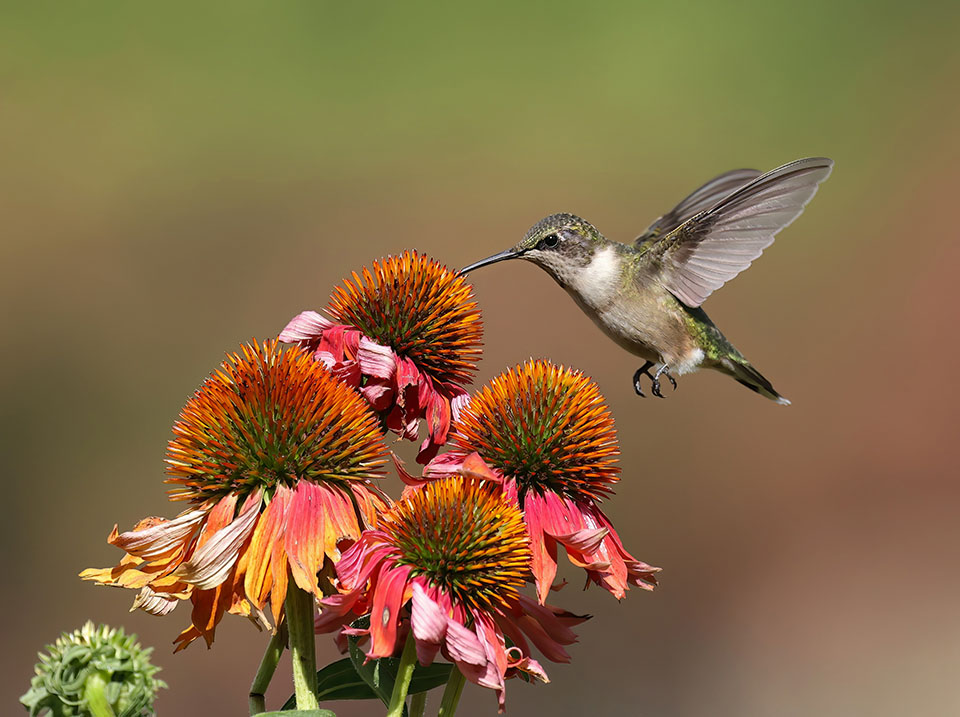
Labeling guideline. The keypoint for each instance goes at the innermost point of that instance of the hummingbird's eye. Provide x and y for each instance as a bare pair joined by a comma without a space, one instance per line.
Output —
549,241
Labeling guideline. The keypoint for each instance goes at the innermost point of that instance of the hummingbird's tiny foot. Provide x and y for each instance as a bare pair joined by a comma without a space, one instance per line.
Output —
636,384
665,370
655,388
645,371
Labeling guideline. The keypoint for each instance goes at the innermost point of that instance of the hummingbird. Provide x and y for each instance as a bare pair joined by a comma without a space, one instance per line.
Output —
646,295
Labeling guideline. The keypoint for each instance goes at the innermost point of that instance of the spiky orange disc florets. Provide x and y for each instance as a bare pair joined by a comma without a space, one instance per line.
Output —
546,426
267,417
419,308
464,537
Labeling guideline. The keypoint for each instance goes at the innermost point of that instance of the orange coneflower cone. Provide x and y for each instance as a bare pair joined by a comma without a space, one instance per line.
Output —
545,435
446,565
407,334
276,455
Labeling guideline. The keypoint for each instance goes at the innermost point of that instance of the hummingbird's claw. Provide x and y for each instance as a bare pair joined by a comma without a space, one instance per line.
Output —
654,379
665,370
643,370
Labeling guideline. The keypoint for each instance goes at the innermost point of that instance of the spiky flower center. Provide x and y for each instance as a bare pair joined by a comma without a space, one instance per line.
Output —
266,417
465,538
546,426
418,307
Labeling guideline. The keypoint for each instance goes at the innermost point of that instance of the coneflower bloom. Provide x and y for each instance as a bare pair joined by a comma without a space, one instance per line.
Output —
447,562
406,332
276,456
544,433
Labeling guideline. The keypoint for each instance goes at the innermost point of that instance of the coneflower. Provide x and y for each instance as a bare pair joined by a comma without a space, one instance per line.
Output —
276,455
407,333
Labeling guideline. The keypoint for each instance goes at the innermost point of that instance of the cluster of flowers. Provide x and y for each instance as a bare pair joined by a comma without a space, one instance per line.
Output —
280,450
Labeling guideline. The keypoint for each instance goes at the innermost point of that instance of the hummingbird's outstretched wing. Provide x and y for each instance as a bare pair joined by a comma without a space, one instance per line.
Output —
697,201
708,250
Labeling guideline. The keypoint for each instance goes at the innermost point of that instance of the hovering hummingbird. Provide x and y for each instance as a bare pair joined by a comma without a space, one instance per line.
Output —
646,296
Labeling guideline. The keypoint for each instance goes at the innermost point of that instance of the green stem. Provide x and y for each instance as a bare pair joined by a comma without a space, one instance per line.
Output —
268,665
418,704
451,693
299,608
96,698
408,661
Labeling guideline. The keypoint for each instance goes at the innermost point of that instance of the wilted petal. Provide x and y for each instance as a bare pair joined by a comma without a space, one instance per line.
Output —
211,563
378,394
156,538
154,603
587,540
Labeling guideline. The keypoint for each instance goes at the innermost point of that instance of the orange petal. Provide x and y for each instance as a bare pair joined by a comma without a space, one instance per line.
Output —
306,527
258,579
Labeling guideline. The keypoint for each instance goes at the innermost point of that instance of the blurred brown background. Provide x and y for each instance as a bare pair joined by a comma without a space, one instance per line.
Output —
175,181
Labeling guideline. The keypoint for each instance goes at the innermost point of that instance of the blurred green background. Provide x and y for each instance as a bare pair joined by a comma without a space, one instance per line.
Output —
176,180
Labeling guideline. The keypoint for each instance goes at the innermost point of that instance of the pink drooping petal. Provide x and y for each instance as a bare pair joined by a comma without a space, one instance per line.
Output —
306,326
471,465
523,663
428,620
379,394
458,400
335,611
158,537
463,646
376,360
494,648
385,613
543,549
587,540
210,564
341,520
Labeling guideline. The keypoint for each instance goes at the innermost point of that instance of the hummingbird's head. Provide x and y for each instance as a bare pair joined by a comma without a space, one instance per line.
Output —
561,244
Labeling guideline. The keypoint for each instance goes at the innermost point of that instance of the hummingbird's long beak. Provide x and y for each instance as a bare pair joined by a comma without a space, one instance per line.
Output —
502,256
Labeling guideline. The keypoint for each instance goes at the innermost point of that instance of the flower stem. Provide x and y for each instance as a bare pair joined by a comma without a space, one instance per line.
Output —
451,693
417,704
408,661
299,609
268,665
95,697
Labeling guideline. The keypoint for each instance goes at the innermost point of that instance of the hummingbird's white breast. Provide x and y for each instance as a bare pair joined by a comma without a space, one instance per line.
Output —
599,281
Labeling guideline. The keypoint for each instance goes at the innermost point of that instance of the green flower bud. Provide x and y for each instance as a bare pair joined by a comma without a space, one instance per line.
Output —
96,671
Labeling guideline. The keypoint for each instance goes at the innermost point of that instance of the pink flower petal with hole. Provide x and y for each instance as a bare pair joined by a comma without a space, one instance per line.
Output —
210,564
385,612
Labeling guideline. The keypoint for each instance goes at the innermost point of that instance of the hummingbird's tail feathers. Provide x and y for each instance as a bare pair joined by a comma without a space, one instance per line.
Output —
747,375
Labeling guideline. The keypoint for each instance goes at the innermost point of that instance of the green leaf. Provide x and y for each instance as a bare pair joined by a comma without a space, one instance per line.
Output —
381,674
351,679
299,713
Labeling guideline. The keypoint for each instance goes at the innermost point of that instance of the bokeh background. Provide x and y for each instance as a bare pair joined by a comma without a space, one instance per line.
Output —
176,180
